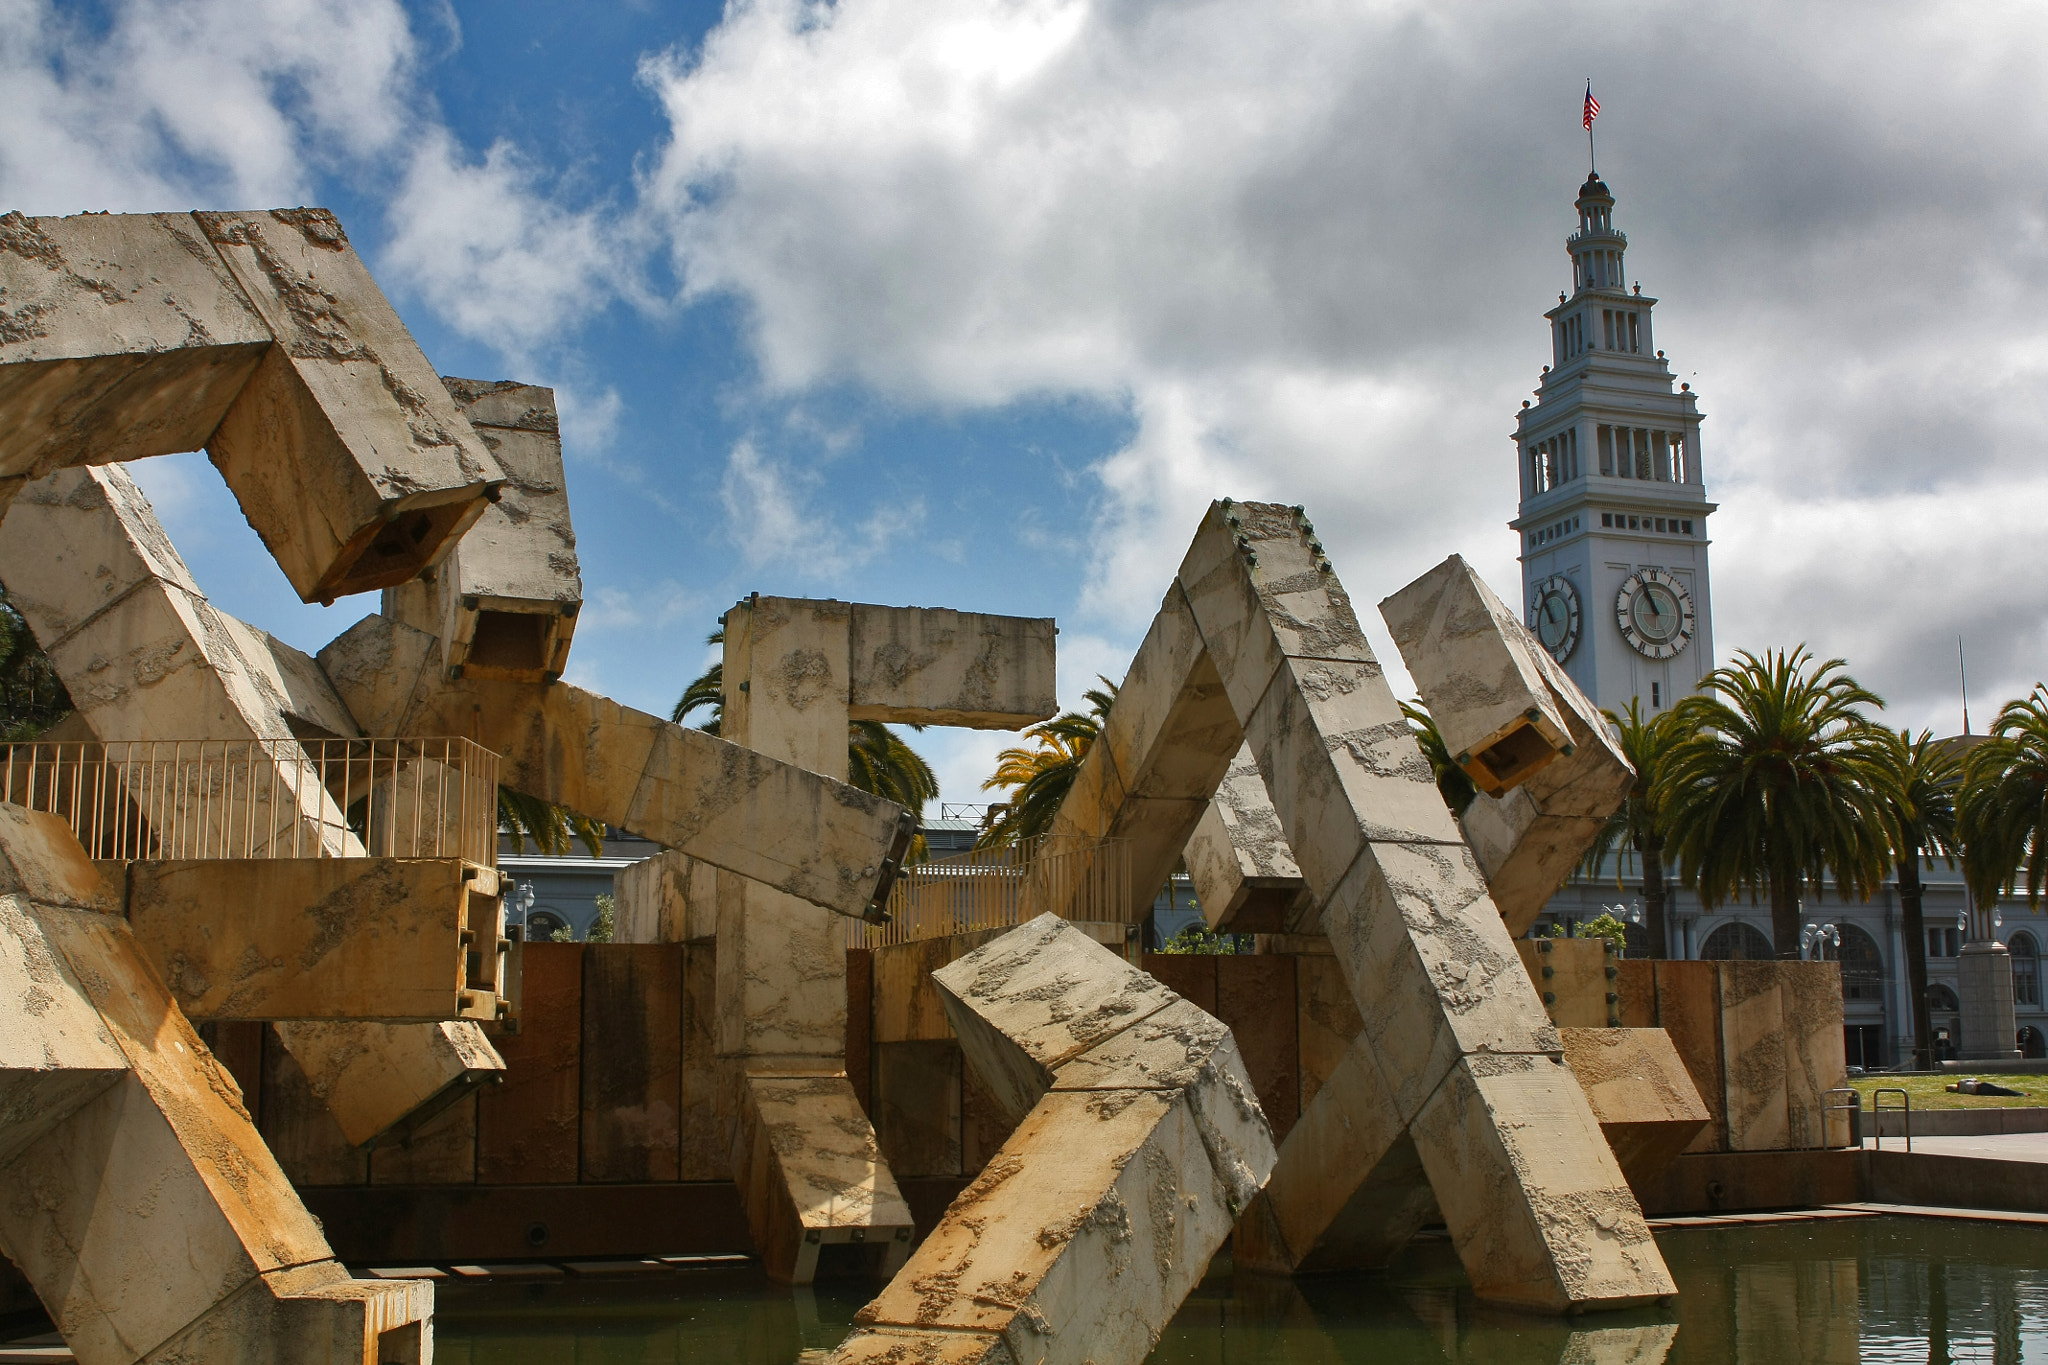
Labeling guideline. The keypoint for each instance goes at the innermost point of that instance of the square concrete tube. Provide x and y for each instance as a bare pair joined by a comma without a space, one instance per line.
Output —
1531,837
1244,874
1257,618
1085,1233
385,1080
821,841
1638,1087
396,940
145,656
261,338
797,672
669,898
1470,655
163,1153
505,602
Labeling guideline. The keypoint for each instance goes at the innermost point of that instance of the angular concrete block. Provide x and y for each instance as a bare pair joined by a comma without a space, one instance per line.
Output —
317,938
781,975
55,1054
1259,588
1537,1207
1575,978
1473,662
1077,1243
935,666
505,602
312,1313
669,898
1648,1107
381,472
1243,870
168,1145
1754,1054
1028,1002
41,862
811,1174
1348,1190
818,840
1816,1052
380,1079
127,337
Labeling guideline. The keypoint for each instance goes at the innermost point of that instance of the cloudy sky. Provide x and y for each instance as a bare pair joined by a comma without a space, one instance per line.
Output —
979,304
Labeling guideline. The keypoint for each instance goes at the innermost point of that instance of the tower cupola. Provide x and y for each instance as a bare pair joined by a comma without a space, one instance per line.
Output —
1597,247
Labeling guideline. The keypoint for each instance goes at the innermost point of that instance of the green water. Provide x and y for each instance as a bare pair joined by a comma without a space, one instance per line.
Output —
1874,1290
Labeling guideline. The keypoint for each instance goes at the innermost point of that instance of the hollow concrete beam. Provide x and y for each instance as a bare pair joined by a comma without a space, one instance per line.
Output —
260,337
1087,1230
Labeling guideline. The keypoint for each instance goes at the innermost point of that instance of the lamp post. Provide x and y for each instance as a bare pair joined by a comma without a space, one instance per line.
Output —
1817,939
523,898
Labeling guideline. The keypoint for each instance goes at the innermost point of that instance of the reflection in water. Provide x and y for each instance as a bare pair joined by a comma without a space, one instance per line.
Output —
1872,1290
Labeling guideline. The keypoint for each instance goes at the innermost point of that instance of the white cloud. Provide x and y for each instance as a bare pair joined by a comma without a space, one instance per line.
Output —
1309,246
772,520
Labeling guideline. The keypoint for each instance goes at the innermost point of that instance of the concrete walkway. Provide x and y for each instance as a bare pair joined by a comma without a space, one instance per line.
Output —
1991,1147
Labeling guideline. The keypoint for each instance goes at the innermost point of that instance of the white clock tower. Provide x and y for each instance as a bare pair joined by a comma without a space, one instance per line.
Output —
1613,515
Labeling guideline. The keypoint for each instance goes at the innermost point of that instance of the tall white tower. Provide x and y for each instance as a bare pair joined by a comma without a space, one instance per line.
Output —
1613,516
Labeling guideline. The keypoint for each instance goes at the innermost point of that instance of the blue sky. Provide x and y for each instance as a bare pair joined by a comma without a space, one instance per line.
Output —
977,305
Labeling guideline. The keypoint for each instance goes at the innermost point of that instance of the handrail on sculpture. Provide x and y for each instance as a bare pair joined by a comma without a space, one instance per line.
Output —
410,797
985,888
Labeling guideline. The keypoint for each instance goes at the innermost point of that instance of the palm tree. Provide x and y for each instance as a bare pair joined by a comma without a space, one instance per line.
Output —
877,759
1925,778
1775,780
32,697
1039,779
551,827
1638,825
2004,812
1453,783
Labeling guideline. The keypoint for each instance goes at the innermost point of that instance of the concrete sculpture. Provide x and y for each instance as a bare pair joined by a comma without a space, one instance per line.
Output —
796,672
260,338
1140,1141
505,602
1456,1071
117,1126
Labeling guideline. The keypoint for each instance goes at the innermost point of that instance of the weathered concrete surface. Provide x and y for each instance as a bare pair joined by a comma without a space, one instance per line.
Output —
1470,656
669,898
811,1174
144,655
1474,662
379,1079
1639,1089
320,938
505,602
1754,1055
936,666
388,474
1088,1228
261,337
1244,873
1575,978
819,840
1816,1049
126,336
86,1200
1257,642
802,1135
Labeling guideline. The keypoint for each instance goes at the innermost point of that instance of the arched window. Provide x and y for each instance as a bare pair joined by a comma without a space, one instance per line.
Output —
544,926
2026,969
1862,968
1940,997
1736,941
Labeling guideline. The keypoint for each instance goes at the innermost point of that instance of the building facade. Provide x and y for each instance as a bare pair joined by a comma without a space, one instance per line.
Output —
1613,512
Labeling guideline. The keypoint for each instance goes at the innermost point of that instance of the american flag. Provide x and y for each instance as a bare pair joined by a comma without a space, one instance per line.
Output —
1592,108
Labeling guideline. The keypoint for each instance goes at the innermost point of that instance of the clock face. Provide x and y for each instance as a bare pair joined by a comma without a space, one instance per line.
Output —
1655,614
1554,615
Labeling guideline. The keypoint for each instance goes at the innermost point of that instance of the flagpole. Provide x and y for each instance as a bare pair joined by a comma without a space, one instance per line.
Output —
1592,161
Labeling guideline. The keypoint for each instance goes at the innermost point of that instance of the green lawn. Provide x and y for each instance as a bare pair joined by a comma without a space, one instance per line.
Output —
1928,1091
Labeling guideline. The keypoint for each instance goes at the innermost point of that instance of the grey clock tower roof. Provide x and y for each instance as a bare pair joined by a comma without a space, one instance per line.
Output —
1611,483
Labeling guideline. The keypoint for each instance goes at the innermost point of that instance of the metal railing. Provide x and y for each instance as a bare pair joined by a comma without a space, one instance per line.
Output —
1904,1109
265,798
988,888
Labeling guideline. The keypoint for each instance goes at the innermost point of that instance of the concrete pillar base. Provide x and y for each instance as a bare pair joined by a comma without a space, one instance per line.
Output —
1984,986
